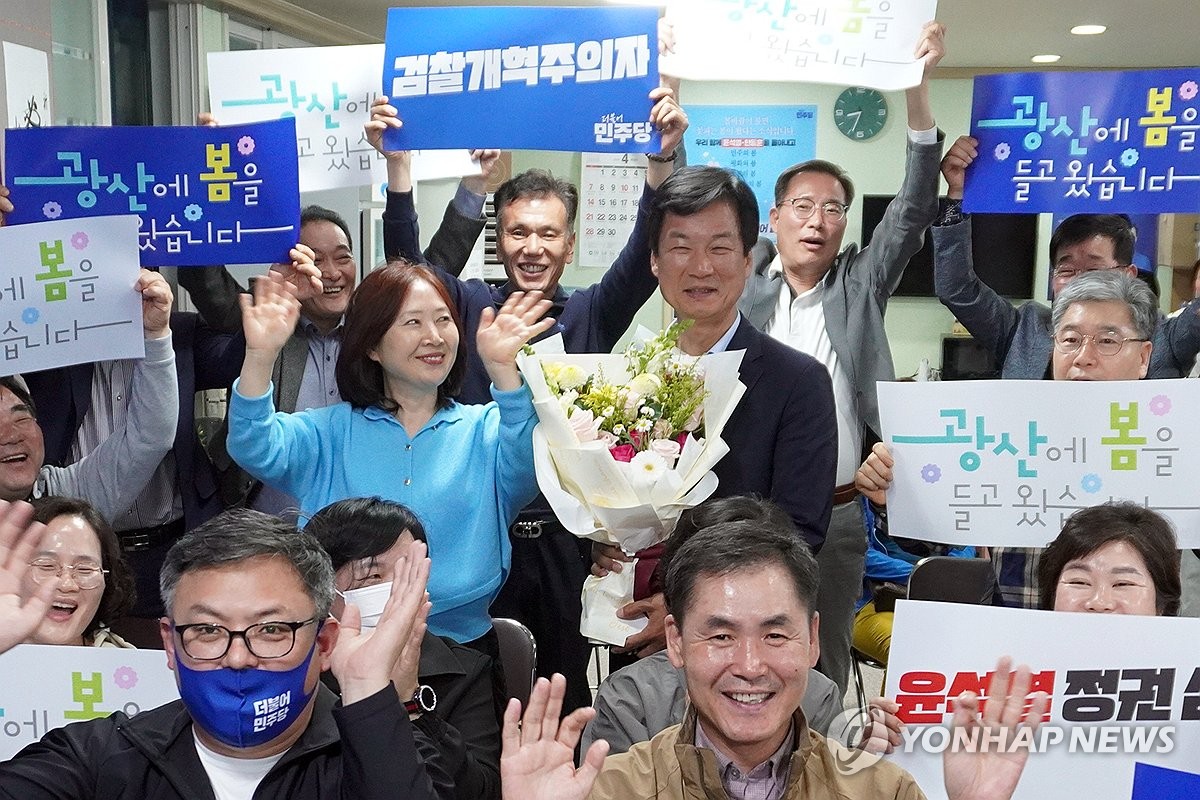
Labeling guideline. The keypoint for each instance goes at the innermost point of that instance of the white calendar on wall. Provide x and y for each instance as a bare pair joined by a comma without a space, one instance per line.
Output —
610,186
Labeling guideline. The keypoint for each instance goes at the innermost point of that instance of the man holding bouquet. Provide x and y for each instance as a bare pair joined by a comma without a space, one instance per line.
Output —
782,436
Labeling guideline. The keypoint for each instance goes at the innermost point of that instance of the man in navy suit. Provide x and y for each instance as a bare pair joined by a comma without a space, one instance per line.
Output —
782,436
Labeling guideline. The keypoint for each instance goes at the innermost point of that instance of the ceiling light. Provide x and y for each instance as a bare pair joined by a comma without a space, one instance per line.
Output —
1048,58
1088,30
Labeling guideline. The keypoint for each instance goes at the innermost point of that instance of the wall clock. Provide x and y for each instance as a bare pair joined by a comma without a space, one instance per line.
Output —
860,113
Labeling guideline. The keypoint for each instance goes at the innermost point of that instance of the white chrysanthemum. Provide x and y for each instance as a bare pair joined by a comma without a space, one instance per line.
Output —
571,376
644,384
649,464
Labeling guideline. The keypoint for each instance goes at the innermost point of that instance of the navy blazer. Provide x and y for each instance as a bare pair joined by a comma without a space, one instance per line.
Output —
782,436
204,360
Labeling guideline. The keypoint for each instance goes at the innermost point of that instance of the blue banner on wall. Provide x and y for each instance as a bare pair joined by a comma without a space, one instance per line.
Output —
1156,783
203,195
757,142
1074,142
522,78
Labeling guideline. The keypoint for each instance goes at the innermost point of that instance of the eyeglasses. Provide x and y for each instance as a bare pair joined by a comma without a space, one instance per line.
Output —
803,208
86,576
206,641
1070,342
1070,273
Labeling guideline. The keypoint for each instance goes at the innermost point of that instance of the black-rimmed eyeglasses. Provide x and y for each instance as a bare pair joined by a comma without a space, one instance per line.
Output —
206,641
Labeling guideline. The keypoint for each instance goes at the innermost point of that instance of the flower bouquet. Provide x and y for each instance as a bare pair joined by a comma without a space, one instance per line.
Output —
625,443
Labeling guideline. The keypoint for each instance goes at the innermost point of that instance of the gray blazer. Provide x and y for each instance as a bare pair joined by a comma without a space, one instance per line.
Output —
860,282
1019,337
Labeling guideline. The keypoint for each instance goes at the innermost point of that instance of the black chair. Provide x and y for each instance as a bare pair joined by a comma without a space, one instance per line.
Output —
939,578
518,657
953,580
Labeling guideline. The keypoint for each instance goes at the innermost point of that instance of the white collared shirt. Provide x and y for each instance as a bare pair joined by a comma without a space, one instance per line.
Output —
722,344
799,322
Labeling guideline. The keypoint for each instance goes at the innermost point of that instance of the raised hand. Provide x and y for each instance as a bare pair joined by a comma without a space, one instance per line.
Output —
363,662
666,46
384,115
671,121
6,205
19,537
501,335
992,773
267,321
302,273
955,163
489,166
931,46
156,304
537,756
405,675
874,477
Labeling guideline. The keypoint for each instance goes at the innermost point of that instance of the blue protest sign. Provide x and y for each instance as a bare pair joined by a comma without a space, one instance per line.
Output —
203,195
1074,142
757,142
522,78
1155,783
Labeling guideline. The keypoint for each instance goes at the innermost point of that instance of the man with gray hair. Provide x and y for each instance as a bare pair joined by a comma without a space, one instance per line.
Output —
1103,322
248,633
1115,313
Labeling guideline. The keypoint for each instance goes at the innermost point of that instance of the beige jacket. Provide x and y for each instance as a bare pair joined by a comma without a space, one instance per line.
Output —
670,767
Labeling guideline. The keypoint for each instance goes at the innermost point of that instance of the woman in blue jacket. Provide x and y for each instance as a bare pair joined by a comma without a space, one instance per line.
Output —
465,470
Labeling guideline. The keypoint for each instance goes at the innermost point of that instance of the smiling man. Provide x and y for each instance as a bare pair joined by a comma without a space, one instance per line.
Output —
1103,322
743,629
829,302
248,633
1020,338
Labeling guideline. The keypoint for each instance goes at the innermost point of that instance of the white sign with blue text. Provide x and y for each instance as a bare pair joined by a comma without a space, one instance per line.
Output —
67,293
48,686
852,43
329,90
1005,463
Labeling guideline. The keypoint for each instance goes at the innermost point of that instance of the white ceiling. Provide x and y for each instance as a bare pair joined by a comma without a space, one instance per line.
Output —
982,33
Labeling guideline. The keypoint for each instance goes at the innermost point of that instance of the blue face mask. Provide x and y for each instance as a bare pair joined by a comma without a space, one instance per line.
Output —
244,707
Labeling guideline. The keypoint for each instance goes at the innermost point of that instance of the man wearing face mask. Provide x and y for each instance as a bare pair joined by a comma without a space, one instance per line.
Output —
448,687
248,633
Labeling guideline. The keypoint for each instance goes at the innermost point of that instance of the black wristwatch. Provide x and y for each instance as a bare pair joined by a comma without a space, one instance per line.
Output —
424,700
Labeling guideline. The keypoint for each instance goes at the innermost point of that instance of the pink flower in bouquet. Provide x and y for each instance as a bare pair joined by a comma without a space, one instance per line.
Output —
696,419
623,452
584,424
667,449
608,437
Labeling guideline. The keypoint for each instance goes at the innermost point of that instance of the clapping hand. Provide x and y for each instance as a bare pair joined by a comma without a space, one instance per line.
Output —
364,661
992,772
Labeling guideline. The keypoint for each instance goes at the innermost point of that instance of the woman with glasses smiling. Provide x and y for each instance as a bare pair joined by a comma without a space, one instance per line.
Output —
79,553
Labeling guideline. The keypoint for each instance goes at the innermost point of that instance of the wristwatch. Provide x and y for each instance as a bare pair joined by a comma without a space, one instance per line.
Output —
424,700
